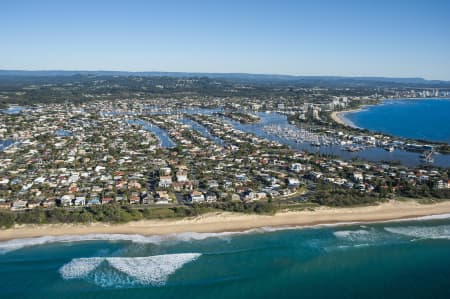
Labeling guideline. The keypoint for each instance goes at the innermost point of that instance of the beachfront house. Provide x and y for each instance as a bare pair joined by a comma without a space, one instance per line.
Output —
66,200
196,196
211,197
80,201
19,205
162,197
93,202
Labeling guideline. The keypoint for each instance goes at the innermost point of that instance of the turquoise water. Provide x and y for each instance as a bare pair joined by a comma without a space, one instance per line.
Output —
427,119
388,260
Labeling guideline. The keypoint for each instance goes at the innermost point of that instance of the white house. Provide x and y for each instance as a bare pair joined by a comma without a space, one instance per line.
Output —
165,171
79,201
296,167
182,176
196,196
358,176
66,200
293,182
165,181
211,197
19,205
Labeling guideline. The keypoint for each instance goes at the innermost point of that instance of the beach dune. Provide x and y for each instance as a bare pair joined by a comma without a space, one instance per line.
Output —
225,221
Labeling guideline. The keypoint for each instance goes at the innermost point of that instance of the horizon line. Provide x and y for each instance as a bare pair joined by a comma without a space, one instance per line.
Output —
223,73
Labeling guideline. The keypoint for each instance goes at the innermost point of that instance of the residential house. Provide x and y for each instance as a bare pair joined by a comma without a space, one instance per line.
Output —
79,201
182,176
162,197
19,205
196,196
66,200
211,197
165,181
107,200
296,167
93,202
293,182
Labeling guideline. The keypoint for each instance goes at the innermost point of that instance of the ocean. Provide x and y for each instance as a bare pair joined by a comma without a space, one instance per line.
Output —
406,259
427,119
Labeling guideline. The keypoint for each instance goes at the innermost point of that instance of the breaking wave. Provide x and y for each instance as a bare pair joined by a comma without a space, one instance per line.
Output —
80,267
352,234
126,271
355,238
422,232
16,244
363,237
418,218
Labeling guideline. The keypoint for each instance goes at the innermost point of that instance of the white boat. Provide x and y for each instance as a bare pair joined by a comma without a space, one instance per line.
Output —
427,157
390,148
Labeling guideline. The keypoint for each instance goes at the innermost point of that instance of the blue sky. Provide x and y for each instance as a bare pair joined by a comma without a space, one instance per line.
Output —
315,37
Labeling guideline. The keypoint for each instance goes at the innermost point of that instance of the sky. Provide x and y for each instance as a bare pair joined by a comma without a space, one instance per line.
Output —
393,38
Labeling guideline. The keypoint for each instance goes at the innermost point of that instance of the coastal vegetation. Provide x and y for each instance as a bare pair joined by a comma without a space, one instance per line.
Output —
122,214
344,198
115,214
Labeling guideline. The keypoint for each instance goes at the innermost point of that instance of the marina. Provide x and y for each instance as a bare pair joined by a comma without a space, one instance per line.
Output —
274,126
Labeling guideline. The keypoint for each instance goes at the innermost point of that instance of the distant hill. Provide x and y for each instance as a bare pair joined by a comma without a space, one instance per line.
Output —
332,81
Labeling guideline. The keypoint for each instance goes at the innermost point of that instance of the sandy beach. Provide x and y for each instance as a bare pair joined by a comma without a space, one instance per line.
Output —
338,117
226,222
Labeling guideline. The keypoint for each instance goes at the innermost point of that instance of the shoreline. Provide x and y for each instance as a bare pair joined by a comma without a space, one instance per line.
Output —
235,222
339,116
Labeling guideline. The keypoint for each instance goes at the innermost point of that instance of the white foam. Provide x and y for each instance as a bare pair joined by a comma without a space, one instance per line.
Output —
363,238
151,270
422,232
351,233
78,268
431,217
27,242
355,235
16,244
